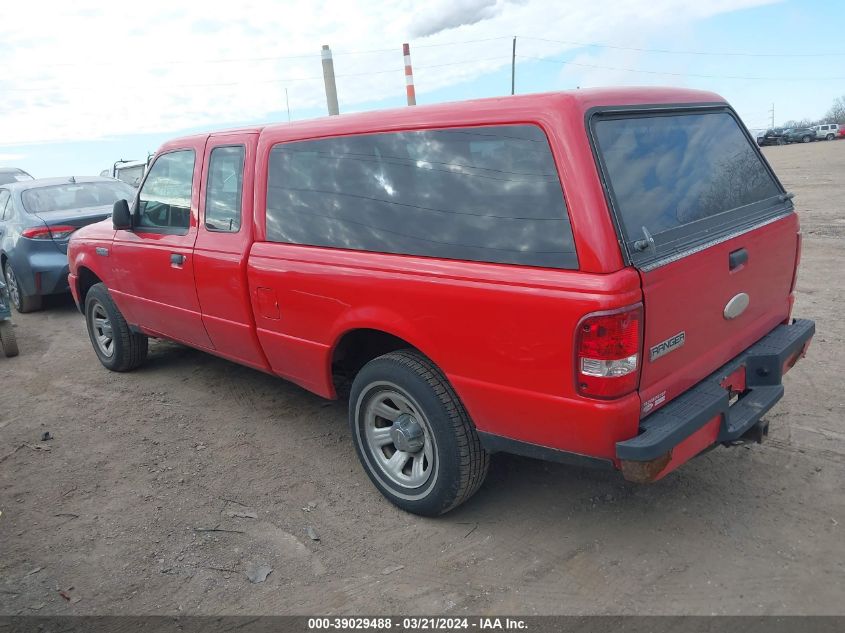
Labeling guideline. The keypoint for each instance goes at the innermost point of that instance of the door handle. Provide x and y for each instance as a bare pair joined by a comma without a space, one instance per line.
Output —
737,258
177,259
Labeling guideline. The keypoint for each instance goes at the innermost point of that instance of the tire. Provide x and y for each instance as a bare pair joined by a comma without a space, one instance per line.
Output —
806,139
23,303
116,345
446,466
829,137
781,141
8,339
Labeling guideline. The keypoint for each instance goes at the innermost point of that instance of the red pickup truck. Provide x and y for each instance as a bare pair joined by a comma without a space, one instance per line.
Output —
599,276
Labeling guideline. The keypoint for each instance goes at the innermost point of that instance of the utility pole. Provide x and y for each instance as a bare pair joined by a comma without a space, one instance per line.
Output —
772,112
513,67
328,80
409,76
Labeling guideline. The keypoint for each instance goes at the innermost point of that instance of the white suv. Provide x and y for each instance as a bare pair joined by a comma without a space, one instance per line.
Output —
828,131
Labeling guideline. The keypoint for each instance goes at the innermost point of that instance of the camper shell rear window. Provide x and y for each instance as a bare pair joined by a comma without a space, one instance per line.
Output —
681,178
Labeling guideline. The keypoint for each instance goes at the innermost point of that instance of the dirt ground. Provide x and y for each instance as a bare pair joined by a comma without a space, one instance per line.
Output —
112,515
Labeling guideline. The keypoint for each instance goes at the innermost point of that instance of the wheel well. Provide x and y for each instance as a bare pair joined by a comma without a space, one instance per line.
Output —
356,348
86,279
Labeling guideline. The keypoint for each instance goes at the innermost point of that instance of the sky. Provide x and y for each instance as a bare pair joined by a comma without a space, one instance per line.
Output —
86,83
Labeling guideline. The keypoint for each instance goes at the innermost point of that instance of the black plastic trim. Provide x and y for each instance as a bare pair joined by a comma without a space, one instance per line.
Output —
737,258
500,444
683,416
161,230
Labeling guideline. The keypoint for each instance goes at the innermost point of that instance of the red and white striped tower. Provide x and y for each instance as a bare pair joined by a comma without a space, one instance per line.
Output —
409,76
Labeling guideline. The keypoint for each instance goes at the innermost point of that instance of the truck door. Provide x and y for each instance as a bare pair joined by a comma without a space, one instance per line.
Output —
153,262
222,247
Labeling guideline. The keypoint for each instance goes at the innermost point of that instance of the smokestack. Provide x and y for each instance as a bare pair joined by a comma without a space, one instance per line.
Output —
328,79
409,76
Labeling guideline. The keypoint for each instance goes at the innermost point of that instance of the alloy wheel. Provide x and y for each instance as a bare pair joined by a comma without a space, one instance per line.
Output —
14,290
102,328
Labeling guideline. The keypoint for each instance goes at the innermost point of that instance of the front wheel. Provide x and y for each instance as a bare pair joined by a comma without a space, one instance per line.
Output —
413,435
806,139
116,345
8,339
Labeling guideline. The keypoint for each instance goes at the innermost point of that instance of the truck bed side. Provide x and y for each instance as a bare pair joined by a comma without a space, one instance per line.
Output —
306,299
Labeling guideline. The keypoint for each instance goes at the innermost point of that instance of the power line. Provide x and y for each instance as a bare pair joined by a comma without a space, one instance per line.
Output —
226,60
455,63
660,72
676,52
262,81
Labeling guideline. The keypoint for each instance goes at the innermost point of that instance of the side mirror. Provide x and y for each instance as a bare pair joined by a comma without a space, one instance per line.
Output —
121,218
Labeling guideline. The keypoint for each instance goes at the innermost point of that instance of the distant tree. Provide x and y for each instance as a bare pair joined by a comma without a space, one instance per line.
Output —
836,114
799,123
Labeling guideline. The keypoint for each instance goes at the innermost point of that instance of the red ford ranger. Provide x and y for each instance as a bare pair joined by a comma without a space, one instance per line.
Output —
601,276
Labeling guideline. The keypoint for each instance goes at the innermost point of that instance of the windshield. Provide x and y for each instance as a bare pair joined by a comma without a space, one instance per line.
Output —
670,172
81,195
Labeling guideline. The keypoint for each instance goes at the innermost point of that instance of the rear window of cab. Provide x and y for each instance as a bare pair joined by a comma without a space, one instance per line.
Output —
489,194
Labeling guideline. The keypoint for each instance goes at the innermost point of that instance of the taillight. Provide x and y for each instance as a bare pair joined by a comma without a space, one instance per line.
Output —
607,361
48,232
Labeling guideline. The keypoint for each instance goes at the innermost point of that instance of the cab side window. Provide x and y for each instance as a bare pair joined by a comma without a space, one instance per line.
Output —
224,189
164,203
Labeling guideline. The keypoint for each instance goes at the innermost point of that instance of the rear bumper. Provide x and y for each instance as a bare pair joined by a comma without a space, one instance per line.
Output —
41,269
705,416
52,281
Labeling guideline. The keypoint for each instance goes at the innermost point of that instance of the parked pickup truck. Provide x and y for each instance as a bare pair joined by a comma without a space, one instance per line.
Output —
602,276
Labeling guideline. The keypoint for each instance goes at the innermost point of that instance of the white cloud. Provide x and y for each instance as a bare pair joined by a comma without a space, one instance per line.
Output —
442,15
90,69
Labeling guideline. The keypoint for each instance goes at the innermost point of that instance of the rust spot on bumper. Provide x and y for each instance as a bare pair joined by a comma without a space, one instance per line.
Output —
645,472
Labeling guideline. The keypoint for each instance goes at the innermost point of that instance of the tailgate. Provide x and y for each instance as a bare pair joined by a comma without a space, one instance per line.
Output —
711,231
698,296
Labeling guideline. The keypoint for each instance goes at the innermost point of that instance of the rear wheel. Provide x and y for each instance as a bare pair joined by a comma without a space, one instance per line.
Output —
829,137
781,141
116,345
413,435
8,339
23,302
806,139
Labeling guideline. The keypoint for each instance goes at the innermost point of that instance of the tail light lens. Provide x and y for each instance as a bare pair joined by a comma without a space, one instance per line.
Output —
48,232
607,362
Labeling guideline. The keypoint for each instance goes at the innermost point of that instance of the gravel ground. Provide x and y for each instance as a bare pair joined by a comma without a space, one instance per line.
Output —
162,488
